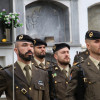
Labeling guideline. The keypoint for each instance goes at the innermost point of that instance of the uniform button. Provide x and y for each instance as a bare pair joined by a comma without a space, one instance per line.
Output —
66,82
29,88
56,68
16,87
55,82
89,82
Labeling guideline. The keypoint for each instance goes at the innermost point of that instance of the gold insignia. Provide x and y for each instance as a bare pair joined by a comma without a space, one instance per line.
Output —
85,79
32,63
48,62
66,82
20,37
88,63
89,82
34,41
30,88
87,53
55,82
91,34
54,47
16,87
56,68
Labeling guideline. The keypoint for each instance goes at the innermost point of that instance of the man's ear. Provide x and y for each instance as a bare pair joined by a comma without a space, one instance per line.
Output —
87,44
16,50
55,56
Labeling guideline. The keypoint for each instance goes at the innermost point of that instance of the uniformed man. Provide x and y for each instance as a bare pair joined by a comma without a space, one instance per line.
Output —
30,83
83,55
39,54
60,72
91,69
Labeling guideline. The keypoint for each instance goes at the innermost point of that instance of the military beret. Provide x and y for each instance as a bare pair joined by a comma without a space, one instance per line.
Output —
92,35
57,47
23,37
38,42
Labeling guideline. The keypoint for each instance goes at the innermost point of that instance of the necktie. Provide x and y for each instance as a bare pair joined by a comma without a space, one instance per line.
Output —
42,65
28,77
65,72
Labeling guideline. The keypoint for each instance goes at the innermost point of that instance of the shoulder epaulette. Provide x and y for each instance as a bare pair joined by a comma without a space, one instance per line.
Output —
5,67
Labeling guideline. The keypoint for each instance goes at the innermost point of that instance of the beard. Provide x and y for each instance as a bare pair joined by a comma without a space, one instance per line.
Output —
41,56
96,52
23,56
63,62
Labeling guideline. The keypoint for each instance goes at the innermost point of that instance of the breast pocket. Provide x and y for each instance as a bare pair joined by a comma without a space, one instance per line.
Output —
39,86
58,83
90,87
38,90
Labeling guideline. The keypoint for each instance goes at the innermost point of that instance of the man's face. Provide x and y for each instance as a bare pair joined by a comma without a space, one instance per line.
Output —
94,46
62,56
40,51
24,50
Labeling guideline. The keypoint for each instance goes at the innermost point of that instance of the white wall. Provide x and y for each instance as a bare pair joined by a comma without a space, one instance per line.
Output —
6,56
83,5
83,17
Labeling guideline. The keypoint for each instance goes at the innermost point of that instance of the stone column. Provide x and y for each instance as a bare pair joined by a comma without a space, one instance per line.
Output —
74,22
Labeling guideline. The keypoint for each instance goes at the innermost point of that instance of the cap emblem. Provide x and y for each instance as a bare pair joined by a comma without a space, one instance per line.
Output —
91,34
34,42
20,37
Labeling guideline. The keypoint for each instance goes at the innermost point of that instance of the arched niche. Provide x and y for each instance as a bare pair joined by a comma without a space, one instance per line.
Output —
94,17
48,19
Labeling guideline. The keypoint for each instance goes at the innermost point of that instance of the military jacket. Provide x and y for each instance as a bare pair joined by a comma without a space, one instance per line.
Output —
92,81
59,84
47,64
38,89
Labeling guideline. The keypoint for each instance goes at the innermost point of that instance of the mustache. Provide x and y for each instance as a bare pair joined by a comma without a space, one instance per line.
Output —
29,52
67,57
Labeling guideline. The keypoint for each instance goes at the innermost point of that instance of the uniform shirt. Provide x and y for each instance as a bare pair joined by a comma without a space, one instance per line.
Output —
38,62
22,65
96,62
66,68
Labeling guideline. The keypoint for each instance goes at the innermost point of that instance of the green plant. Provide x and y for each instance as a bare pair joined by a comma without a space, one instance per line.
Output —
9,20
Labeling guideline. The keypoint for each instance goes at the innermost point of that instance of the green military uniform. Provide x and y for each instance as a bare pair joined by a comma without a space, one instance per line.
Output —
92,81
37,89
59,76
59,83
91,71
83,55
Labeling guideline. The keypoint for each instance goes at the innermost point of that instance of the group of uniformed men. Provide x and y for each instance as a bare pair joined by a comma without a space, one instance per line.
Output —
32,77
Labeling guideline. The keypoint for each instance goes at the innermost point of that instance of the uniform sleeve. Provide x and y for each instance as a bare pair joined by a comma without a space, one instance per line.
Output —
46,92
2,83
71,88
